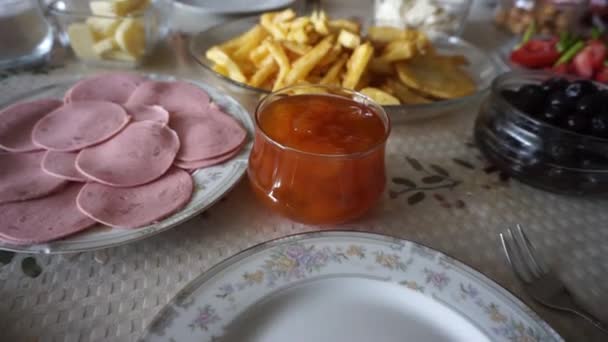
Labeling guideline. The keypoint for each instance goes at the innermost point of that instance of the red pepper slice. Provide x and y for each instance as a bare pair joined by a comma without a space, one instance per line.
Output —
536,53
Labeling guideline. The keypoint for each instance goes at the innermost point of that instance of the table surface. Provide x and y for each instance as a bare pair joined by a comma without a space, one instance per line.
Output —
113,294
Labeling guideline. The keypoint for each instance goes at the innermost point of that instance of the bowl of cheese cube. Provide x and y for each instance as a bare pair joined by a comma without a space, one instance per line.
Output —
112,32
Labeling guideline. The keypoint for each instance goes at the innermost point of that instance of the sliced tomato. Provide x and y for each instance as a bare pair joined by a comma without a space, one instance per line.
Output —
536,53
602,75
583,64
598,51
561,69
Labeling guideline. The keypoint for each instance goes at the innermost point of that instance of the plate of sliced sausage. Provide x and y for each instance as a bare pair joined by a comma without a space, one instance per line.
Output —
98,161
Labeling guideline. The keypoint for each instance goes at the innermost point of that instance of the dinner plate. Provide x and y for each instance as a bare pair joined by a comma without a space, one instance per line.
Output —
233,6
210,183
345,287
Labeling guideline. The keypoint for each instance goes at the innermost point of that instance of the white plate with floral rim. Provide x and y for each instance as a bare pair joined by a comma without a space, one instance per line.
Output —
210,183
345,286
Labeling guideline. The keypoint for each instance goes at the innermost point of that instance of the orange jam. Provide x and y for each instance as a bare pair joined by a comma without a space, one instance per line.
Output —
319,158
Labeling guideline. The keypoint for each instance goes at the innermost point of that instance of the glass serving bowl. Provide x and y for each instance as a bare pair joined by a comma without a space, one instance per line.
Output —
535,152
154,20
481,67
316,188
444,16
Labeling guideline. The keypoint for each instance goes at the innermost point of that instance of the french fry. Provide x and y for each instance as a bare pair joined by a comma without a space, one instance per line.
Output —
357,64
234,43
331,56
381,97
258,54
319,21
264,72
299,23
299,36
284,16
303,65
364,80
348,39
297,48
220,70
343,24
254,38
332,75
267,21
218,56
277,52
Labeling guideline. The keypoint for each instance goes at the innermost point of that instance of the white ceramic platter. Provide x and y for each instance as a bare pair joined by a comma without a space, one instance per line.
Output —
210,183
345,287
233,6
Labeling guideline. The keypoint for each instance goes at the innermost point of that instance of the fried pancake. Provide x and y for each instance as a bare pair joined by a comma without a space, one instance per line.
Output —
435,76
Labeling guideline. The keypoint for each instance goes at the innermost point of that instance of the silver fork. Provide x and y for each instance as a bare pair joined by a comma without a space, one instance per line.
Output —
539,281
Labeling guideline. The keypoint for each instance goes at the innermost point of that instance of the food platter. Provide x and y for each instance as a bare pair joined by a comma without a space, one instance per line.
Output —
345,286
481,69
210,184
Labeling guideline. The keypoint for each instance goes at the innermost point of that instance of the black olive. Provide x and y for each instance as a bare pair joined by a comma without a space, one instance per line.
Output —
553,114
576,123
554,84
561,100
578,89
530,99
590,105
599,125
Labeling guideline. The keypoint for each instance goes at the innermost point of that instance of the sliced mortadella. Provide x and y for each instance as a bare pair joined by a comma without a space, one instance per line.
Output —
22,178
199,164
17,122
62,165
137,206
145,112
77,125
139,154
113,87
173,96
206,136
43,219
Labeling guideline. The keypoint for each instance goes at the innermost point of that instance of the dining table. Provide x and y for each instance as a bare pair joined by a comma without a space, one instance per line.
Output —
113,294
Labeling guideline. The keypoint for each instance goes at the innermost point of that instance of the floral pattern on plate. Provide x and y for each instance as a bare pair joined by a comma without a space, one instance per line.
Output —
220,295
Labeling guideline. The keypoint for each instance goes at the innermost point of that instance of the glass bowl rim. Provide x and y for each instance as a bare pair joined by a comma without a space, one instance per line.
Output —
424,106
499,84
378,108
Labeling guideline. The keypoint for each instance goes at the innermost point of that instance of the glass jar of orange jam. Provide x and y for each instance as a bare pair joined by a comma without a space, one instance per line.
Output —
318,155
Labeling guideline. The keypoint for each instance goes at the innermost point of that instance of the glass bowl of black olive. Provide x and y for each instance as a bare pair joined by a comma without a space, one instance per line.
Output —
547,131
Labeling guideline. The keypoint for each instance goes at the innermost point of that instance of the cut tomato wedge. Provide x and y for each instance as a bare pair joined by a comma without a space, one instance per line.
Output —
537,53
602,75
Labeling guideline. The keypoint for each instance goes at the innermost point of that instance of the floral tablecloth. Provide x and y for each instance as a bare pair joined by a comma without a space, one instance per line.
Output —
441,193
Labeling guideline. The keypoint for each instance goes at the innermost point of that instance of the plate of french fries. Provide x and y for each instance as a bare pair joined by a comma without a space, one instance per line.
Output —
412,74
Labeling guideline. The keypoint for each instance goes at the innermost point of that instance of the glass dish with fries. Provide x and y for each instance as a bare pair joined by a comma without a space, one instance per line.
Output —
412,74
